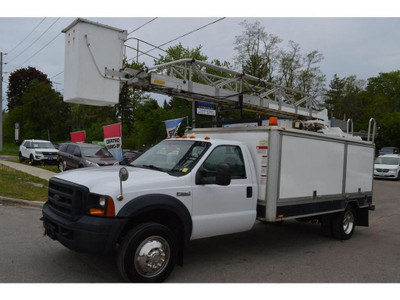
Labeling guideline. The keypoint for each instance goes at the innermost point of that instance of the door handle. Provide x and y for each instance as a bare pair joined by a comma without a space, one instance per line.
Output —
249,192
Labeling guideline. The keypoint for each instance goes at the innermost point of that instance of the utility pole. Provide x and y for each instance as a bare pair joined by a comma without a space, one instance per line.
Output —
1,101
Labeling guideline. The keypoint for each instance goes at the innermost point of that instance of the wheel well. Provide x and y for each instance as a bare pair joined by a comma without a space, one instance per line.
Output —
166,218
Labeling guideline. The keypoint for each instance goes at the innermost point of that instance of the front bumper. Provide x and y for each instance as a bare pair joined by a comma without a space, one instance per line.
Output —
50,159
87,234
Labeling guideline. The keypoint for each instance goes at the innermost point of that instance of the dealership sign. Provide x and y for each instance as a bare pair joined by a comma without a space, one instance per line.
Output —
207,109
113,140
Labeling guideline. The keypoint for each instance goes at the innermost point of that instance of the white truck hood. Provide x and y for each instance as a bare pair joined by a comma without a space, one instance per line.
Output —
105,180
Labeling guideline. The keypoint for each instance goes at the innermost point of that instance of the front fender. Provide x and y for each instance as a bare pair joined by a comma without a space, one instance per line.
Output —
146,203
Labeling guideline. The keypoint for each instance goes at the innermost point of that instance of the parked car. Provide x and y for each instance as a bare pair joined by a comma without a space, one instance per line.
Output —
80,155
37,151
129,156
389,150
387,166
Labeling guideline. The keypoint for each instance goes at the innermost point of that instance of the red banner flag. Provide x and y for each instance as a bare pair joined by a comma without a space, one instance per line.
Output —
78,136
113,130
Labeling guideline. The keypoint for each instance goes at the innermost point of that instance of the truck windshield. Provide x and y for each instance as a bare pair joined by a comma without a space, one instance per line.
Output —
178,156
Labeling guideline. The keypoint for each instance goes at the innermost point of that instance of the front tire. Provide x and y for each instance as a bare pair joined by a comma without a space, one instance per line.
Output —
148,253
344,223
61,165
32,160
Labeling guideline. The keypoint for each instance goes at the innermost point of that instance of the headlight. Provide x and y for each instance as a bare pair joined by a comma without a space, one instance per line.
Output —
91,164
100,205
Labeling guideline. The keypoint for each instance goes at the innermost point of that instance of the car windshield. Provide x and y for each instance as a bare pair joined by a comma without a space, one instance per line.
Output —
387,161
95,152
177,156
43,145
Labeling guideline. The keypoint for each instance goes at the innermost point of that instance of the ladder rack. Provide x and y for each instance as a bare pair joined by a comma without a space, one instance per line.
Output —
200,81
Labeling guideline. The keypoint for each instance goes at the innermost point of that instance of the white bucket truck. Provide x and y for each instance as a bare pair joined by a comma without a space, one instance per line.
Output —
214,181
211,182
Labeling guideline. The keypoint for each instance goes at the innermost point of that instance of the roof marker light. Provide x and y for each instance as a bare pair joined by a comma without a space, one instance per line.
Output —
273,121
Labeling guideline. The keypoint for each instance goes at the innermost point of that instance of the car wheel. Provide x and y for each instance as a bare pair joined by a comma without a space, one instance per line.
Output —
61,165
31,160
343,224
148,253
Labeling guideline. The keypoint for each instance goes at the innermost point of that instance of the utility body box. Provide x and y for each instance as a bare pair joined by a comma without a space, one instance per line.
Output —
302,173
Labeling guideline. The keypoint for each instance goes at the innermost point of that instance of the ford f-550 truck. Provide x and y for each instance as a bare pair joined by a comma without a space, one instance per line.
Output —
211,182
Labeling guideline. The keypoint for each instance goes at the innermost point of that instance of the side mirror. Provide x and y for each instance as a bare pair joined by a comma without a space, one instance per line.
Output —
223,175
123,176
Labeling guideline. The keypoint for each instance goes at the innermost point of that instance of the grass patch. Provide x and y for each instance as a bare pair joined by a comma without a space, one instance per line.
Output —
51,168
10,149
16,184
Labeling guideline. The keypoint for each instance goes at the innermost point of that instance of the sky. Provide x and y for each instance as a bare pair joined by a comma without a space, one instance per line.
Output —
353,41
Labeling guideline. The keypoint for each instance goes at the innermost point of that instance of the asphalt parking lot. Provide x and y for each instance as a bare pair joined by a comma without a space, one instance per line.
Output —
291,252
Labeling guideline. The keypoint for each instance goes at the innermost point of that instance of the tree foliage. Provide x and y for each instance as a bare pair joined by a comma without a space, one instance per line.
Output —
350,97
41,114
19,81
259,54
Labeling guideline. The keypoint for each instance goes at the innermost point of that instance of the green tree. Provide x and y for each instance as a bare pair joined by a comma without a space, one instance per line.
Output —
148,123
91,119
257,51
43,114
387,84
259,54
345,98
19,81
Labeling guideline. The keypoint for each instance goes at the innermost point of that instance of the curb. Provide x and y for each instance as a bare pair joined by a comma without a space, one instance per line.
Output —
38,204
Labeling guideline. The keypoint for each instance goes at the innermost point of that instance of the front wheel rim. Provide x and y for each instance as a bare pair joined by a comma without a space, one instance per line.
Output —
348,222
152,256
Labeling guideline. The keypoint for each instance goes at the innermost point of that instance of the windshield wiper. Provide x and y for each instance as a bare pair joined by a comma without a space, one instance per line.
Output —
153,167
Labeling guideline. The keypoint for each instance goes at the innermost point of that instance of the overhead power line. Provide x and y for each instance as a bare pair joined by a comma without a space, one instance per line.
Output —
26,36
143,25
23,51
56,75
39,50
181,36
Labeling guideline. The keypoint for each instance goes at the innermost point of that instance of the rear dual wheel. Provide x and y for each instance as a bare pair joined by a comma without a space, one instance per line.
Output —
340,225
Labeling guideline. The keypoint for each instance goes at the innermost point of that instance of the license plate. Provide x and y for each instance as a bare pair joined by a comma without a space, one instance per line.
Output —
50,158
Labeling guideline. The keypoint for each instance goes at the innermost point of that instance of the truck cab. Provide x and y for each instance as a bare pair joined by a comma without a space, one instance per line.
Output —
179,190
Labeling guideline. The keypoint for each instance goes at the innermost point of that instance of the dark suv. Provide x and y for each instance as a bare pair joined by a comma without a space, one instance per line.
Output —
80,155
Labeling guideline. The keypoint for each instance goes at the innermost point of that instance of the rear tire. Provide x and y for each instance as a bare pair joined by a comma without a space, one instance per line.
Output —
148,253
344,223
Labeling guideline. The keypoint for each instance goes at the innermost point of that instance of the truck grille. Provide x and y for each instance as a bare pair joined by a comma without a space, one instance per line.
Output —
49,153
67,199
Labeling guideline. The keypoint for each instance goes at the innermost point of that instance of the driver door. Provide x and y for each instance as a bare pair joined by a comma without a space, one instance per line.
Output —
221,209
